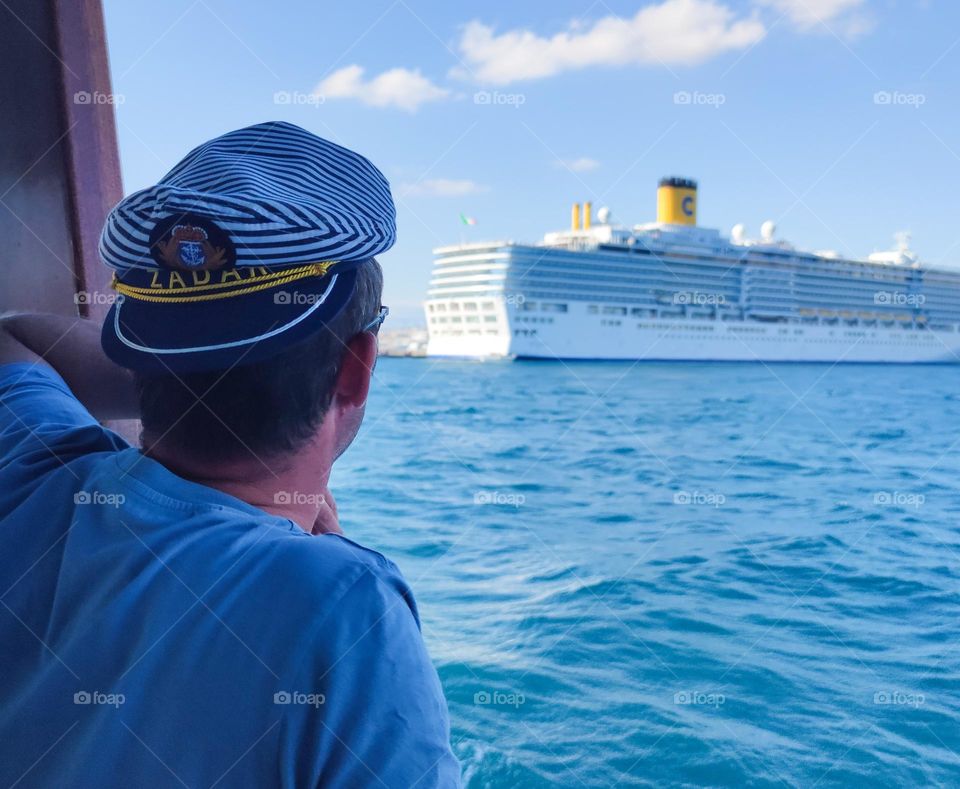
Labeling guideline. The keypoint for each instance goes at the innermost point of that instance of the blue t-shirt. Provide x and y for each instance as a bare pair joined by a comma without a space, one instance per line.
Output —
156,632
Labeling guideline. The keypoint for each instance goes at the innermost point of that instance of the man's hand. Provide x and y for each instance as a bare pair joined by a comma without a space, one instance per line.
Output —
327,521
71,346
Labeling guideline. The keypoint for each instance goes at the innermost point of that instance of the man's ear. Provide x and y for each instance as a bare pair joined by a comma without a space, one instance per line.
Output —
353,380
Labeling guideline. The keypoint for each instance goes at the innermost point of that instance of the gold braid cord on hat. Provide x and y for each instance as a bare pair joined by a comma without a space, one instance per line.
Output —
219,290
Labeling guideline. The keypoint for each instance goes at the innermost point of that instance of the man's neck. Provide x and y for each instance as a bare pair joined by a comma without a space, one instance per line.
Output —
294,487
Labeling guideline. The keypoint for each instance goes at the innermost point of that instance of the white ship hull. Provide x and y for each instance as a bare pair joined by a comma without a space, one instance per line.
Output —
577,334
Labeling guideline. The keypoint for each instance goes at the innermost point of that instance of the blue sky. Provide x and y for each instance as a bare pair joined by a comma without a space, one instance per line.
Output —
838,119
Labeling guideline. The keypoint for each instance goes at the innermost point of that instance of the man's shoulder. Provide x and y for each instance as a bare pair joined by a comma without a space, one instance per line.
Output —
334,550
340,569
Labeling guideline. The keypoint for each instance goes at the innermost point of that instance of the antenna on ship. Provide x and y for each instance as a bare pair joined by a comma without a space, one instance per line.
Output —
903,238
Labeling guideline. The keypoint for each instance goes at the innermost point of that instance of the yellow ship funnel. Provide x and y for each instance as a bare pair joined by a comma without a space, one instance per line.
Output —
587,210
677,201
575,217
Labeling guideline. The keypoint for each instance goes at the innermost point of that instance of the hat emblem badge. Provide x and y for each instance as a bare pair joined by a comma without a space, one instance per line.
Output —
188,247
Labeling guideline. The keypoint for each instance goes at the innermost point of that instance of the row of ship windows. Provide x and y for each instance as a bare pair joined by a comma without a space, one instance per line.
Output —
489,306
667,280
443,319
798,292
914,341
710,327
943,316
659,326
706,311
840,299
461,332
728,267
464,319
544,306
758,330
705,327
525,319
466,306
685,331
595,309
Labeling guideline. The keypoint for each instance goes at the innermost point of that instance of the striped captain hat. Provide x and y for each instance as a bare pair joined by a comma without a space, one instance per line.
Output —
251,243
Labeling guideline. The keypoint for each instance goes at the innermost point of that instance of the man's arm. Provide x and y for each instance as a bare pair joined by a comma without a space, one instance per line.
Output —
384,719
71,346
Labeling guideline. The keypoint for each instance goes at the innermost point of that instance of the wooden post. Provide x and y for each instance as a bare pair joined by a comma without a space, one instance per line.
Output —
59,164
90,145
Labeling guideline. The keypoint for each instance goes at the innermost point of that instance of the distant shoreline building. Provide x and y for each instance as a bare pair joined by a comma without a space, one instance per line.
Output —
403,342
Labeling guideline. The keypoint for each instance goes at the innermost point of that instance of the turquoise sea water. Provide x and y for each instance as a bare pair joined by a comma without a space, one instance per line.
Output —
677,574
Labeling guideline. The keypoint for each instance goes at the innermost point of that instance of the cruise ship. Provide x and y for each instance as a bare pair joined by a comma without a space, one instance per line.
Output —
671,290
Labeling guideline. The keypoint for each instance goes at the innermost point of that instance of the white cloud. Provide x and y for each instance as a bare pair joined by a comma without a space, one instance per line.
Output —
398,87
810,13
672,32
582,165
442,187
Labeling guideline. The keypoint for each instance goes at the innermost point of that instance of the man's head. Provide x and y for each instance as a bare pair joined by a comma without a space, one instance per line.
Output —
247,297
268,411
203,258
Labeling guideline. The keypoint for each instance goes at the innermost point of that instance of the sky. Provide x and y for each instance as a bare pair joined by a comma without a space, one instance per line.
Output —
837,119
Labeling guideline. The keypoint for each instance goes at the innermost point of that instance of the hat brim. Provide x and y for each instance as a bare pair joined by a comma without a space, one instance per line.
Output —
159,338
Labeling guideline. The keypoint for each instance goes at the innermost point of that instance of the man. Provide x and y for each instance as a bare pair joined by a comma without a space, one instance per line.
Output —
189,613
